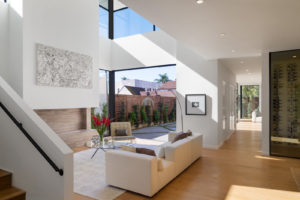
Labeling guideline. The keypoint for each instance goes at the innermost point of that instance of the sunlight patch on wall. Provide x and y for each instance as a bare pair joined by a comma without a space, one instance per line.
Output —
17,5
145,51
196,81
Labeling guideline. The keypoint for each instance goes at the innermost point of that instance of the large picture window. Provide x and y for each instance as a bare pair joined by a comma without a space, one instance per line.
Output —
128,22
117,21
103,22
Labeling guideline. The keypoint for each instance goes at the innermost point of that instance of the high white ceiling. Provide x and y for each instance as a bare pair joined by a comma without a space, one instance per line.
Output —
247,70
250,26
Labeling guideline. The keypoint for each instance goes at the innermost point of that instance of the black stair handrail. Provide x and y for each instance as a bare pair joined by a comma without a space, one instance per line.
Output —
33,142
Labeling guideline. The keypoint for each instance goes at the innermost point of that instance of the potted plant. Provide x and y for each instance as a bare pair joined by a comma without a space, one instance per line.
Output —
101,124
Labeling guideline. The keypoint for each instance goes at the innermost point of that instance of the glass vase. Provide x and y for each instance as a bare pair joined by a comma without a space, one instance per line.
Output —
101,139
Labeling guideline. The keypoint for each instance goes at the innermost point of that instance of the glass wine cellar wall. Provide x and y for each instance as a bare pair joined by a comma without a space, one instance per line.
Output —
285,103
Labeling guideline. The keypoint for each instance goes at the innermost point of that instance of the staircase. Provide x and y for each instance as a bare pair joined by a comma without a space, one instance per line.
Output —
7,191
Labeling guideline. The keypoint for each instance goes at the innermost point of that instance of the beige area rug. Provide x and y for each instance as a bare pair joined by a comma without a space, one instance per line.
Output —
296,176
89,176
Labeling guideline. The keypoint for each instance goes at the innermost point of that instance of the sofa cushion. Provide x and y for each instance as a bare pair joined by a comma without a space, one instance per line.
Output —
167,174
121,132
160,166
161,150
180,153
149,152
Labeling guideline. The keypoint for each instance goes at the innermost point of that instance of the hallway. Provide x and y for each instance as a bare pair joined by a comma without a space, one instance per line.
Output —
237,163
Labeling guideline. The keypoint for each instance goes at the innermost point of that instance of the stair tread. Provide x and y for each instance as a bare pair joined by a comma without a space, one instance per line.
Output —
4,173
11,192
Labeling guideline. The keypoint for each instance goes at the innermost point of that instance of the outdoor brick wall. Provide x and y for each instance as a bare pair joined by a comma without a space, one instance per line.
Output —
131,100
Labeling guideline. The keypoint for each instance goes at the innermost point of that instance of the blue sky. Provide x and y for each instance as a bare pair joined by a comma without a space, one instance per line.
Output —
147,74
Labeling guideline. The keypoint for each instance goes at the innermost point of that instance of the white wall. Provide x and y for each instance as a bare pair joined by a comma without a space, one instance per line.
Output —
143,50
31,172
15,45
3,39
11,43
265,109
70,25
226,81
105,53
195,75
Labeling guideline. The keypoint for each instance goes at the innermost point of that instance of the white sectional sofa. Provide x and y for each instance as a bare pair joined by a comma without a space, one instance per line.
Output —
141,173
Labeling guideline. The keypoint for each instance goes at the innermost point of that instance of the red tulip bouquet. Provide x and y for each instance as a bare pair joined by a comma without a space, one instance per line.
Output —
101,124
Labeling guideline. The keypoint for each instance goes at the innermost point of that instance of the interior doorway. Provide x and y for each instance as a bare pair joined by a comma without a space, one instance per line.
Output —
249,97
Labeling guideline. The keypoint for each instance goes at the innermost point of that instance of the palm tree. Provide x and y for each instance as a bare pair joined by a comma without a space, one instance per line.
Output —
124,78
163,78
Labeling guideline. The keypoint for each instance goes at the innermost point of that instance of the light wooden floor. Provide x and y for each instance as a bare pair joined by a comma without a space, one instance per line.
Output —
237,168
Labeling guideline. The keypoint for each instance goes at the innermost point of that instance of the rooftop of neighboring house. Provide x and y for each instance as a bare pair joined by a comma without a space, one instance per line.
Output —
168,85
134,90
141,83
159,93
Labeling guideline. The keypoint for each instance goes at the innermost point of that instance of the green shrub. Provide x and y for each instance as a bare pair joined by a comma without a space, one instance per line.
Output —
104,110
160,110
172,116
165,115
122,112
148,113
156,116
135,110
132,118
143,114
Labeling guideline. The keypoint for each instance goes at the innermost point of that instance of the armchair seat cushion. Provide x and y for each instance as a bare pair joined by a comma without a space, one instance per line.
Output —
123,137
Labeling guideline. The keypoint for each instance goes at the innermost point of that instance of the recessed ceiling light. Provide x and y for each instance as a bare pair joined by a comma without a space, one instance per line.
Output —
200,1
242,62
294,56
247,70
233,51
222,35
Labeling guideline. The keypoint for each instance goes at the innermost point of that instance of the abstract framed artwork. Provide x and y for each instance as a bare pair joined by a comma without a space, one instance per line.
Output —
195,104
62,68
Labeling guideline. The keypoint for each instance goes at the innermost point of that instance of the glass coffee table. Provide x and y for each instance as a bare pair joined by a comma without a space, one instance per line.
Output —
107,144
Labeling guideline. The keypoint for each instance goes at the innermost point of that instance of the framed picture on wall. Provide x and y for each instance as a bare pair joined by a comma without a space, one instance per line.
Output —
195,104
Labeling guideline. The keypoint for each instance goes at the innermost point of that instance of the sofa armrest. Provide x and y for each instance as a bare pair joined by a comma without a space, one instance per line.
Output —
131,171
